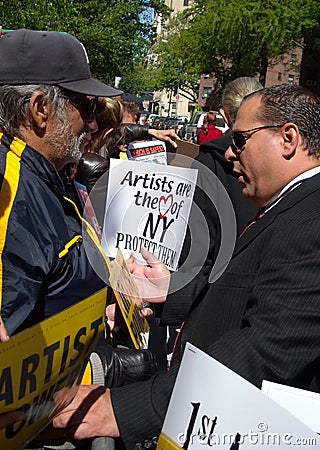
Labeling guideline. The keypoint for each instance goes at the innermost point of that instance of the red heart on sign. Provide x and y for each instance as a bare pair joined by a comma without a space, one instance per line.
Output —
163,204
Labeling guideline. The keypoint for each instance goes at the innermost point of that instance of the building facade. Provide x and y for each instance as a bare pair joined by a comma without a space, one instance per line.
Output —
170,102
285,71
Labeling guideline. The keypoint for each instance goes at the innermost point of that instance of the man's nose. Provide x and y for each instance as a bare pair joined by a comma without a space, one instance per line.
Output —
230,154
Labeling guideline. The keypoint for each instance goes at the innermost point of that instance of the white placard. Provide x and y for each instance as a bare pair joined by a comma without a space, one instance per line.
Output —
148,205
305,405
211,406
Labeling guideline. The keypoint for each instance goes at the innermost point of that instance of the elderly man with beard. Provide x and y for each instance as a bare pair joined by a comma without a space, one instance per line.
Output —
47,104
48,99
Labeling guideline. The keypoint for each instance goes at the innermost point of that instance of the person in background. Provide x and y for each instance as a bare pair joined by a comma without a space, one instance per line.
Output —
111,134
97,151
109,116
117,125
134,111
209,131
131,112
135,131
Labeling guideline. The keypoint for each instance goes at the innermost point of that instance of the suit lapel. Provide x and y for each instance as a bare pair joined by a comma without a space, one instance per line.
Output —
288,201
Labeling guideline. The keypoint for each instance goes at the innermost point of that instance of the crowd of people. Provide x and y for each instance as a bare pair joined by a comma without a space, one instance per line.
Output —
257,313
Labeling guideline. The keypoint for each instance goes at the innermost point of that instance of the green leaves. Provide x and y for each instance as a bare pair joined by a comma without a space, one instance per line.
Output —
232,39
115,33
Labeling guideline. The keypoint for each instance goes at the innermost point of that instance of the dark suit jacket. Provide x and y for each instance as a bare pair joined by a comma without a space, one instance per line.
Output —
203,239
261,318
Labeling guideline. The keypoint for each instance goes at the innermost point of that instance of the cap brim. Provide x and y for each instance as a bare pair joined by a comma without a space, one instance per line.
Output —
91,86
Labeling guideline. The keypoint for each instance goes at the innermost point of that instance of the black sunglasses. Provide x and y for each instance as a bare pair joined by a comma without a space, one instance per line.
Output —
239,140
82,103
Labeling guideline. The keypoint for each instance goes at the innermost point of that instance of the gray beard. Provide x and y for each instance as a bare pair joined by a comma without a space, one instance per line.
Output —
66,144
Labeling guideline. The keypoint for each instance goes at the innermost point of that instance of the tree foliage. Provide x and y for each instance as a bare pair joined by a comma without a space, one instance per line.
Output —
116,33
229,39
168,67
232,39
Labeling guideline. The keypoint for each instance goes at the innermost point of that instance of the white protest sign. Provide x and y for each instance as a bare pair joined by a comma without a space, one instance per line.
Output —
148,205
213,407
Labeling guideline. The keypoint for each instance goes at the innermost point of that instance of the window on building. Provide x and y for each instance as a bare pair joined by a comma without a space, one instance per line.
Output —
279,76
185,2
207,75
293,59
206,92
291,79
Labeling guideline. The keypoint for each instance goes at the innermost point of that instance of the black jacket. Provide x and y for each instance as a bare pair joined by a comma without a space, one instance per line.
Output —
261,318
90,168
135,132
44,264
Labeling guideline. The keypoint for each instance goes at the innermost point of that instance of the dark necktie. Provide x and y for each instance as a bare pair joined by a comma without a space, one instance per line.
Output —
266,208
253,221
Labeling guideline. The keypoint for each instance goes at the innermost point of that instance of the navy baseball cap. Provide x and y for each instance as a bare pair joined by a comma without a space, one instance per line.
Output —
48,57
133,98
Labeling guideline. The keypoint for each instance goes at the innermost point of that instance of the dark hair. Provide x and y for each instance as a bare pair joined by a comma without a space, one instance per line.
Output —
292,103
132,108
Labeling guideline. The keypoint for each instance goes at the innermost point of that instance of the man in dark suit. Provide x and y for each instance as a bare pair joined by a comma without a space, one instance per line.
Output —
218,206
261,318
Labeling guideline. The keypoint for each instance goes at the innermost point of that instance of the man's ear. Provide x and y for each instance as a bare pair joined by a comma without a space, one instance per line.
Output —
290,139
39,110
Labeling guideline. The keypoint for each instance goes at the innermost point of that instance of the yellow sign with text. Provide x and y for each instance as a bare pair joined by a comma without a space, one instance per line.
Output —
41,367
129,301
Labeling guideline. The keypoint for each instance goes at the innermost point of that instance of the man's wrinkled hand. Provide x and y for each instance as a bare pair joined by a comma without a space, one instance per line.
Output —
152,279
89,415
